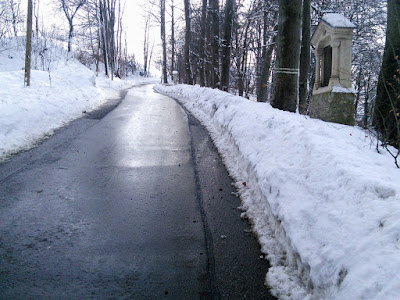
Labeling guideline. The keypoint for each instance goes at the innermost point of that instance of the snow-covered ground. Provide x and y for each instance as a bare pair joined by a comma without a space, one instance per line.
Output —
57,95
324,204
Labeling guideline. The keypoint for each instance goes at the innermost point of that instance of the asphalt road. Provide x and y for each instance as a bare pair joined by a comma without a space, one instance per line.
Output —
125,203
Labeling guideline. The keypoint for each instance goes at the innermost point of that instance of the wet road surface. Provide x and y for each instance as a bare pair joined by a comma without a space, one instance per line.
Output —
133,204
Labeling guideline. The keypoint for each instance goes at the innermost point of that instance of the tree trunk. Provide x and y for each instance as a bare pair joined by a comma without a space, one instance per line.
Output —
103,25
28,49
98,52
150,58
118,51
188,72
285,84
173,68
226,45
260,63
242,61
202,49
111,36
70,35
208,71
37,17
359,84
70,9
164,45
387,105
366,118
305,57
146,44
266,60
214,43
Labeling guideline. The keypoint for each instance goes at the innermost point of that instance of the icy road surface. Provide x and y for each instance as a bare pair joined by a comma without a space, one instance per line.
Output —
131,204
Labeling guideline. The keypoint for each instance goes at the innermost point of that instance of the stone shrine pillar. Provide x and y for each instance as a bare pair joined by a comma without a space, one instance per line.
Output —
333,96
175,76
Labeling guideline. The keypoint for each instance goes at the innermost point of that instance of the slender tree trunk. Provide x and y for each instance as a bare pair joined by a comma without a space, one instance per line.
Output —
305,57
118,43
260,63
285,85
242,72
103,24
188,71
208,71
173,67
267,70
28,50
387,105
245,75
366,103
150,58
98,52
111,38
359,89
37,17
164,45
70,35
92,47
202,49
267,58
243,63
146,45
215,43
226,45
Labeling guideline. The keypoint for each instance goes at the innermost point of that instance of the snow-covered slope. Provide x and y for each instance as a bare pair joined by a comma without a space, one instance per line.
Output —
56,96
324,204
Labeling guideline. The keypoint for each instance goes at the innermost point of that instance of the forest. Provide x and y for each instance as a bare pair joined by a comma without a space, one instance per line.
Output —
232,45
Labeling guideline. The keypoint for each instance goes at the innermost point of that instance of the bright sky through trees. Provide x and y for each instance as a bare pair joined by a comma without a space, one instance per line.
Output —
133,23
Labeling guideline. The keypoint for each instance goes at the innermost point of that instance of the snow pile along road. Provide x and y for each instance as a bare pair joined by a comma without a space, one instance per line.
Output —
324,204
56,96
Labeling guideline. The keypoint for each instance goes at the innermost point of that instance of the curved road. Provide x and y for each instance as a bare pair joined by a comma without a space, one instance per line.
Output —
131,204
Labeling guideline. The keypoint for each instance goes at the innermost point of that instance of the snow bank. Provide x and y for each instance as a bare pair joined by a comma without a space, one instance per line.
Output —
324,204
56,96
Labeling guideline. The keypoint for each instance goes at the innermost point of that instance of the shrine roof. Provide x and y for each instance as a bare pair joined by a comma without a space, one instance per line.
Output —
337,21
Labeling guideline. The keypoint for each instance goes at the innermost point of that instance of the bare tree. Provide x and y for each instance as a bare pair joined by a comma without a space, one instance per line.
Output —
36,5
10,17
108,37
70,9
16,14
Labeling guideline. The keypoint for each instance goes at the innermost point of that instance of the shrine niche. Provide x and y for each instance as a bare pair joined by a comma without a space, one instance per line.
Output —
333,95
